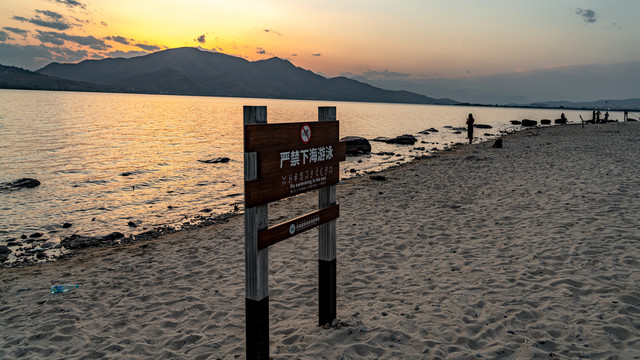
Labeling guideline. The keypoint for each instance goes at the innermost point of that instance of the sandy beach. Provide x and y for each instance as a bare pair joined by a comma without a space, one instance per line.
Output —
531,251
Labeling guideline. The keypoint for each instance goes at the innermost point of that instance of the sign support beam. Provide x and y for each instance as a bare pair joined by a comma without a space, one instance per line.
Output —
327,244
256,260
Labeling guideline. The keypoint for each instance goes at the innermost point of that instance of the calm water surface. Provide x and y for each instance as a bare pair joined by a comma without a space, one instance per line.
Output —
81,146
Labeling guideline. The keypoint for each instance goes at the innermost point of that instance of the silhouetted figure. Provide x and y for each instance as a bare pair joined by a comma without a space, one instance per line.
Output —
470,121
626,115
563,118
598,116
606,116
594,117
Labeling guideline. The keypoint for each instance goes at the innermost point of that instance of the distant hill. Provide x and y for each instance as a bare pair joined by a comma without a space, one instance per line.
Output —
190,71
16,78
628,104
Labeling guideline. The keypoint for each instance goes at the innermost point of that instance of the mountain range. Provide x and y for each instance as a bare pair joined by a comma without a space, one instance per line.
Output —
191,71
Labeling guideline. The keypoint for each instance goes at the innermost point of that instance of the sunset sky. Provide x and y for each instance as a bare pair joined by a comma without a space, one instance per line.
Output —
401,38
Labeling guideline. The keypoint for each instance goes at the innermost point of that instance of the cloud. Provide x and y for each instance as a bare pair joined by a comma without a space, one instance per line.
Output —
53,21
119,39
16,30
3,35
317,54
104,24
148,47
126,54
50,14
72,3
59,39
201,39
386,74
260,51
68,55
50,37
294,54
34,57
589,16
270,31
29,56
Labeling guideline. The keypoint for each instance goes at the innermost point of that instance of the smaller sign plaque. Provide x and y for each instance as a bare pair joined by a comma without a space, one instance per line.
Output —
287,229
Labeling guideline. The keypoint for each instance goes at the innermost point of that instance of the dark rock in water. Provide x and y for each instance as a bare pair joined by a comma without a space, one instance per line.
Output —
381,139
113,236
457,132
216,160
386,153
527,122
126,173
36,235
14,243
403,140
497,144
357,145
426,132
206,210
516,122
560,121
482,126
378,178
23,183
66,225
79,242
132,224
4,257
545,122
49,245
4,249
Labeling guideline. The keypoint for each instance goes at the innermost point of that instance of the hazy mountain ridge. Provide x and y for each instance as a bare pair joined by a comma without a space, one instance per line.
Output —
615,105
190,71
12,77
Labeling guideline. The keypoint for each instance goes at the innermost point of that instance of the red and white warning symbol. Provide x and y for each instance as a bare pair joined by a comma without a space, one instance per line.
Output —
305,133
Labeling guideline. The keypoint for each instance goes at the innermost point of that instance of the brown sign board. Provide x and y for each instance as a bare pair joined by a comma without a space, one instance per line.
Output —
293,158
287,229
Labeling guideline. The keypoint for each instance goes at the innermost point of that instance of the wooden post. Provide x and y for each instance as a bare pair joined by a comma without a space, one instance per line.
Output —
327,244
256,261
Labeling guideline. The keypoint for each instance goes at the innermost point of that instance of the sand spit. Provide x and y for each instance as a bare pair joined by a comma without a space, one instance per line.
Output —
531,251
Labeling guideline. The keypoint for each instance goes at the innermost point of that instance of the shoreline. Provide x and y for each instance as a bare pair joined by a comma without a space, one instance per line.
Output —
43,250
527,251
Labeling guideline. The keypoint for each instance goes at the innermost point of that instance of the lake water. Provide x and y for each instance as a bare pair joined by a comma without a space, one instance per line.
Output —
105,160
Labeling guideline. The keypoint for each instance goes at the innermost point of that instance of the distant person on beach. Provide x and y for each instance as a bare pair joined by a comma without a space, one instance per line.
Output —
606,116
626,115
598,116
563,118
470,121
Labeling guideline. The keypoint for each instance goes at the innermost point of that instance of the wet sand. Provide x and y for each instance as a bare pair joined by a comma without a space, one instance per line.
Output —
531,251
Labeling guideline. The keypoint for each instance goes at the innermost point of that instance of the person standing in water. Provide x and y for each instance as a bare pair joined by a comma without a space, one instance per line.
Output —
470,121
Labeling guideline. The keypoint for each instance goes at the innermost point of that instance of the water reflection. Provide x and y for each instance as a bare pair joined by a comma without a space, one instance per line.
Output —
105,160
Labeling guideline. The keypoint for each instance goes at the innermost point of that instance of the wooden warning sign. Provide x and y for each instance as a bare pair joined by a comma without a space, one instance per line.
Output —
293,158
283,160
